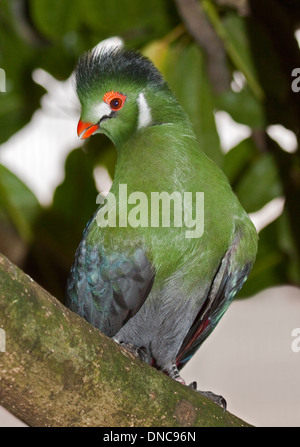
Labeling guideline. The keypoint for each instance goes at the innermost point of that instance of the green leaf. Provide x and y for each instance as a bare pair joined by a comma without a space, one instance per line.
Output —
186,73
135,20
253,176
243,107
17,203
276,262
22,95
75,198
259,184
288,246
54,18
11,118
238,160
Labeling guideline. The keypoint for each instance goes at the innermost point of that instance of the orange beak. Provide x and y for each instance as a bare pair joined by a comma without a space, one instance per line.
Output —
85,130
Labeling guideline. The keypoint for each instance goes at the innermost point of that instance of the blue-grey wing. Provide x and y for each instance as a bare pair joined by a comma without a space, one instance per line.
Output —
108,288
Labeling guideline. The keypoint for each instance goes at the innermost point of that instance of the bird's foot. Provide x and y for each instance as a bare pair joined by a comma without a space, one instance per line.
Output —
212,396
141,353
173,373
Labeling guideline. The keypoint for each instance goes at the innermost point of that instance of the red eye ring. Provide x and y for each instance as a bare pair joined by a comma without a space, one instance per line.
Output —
115,100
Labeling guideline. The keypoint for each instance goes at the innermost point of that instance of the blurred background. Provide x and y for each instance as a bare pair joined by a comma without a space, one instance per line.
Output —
231,63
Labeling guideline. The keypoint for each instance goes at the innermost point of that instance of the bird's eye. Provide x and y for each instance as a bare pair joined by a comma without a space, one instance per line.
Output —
115,100
116,103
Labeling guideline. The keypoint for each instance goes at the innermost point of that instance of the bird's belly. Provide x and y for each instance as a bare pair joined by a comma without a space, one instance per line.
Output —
163,321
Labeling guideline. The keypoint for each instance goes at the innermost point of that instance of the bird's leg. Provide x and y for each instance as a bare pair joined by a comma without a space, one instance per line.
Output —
212,396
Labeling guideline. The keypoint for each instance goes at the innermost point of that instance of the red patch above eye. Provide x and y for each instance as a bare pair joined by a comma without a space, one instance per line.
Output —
115,100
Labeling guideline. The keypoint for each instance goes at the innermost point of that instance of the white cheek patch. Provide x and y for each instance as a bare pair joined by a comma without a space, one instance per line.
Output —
101,110
144,112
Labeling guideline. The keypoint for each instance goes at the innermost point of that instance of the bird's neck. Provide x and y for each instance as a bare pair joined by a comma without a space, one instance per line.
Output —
157,155
161,107
162,146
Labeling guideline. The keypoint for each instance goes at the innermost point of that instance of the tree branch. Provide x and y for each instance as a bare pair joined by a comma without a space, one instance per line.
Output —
58,370
194,18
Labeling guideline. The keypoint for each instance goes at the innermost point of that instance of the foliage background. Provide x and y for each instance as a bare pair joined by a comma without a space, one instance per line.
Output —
252,39
200,47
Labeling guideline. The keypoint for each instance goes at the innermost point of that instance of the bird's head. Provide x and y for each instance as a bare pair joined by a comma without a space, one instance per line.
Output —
120,92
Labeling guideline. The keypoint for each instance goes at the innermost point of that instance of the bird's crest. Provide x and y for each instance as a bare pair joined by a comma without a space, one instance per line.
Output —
107,45
109,61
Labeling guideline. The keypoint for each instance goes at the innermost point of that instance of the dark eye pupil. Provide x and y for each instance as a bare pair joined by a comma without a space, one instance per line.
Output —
115,103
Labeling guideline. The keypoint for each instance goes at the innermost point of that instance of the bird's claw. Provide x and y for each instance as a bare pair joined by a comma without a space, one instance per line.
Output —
219,400
140,353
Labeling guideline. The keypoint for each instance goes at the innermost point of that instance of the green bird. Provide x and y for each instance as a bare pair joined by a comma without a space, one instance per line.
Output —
170,246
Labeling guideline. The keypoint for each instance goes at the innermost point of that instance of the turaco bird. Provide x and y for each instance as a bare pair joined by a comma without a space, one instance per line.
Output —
148,280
